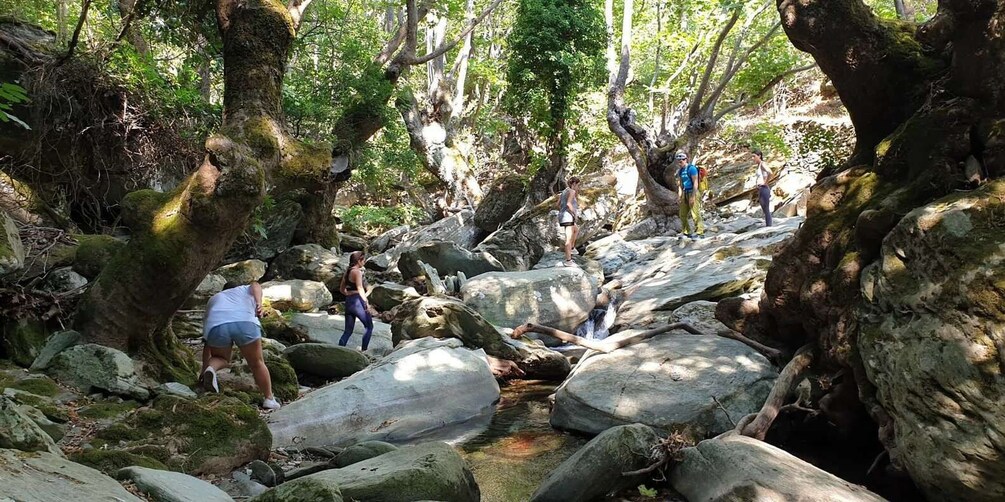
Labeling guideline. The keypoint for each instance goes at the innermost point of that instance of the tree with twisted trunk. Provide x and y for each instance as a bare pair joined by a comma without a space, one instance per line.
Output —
178,237
925,100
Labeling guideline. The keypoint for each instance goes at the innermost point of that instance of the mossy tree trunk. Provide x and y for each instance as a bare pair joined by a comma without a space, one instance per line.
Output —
923,99
178,237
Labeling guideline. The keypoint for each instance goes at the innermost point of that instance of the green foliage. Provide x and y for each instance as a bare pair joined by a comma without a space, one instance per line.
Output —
258,217
647,492
831,145
373,220
556,52
10,95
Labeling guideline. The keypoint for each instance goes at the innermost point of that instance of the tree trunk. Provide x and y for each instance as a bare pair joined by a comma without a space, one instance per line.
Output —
901,9
923,102
549,177
178,237
61,21
132,31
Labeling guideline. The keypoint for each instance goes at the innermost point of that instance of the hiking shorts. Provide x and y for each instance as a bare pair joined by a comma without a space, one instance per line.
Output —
230,333
566,219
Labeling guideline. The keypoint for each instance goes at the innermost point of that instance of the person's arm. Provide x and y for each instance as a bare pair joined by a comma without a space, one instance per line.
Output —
694,179
256,292
767,173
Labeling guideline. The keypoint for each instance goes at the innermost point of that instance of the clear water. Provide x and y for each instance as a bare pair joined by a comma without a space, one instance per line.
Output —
518,449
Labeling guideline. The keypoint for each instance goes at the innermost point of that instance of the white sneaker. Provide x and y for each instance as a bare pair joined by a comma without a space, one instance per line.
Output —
271,404
208,380
575,251
569,263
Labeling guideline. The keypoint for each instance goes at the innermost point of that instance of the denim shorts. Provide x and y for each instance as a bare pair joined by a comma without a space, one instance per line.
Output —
227,334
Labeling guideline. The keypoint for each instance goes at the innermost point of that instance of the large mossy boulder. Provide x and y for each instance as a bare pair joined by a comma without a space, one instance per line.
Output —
168,486
504,197
447,318
242,272
94,252
735,467
931,336
210,435
667,382
426,471
362,451
11,248
595,470
45,477
326,360
303,489
20,432
447,258
557,297
95,367
309,262
21,341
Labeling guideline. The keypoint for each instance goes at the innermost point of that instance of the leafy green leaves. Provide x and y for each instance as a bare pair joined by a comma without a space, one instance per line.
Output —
10,95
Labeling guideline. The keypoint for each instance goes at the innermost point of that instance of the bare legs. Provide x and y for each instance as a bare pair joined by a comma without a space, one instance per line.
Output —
571,234
218,358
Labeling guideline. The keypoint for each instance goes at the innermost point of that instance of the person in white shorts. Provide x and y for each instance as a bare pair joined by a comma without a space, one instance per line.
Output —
232,318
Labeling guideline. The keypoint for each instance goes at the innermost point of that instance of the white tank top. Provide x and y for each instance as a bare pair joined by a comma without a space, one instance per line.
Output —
230,305
762,175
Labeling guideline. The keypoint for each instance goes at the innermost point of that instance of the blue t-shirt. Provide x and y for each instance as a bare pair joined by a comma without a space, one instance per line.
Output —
685,173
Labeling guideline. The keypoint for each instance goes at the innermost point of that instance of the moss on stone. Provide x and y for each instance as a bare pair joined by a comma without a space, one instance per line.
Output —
39,385
212,434
23,339
107,409
285,385
94,252
110,461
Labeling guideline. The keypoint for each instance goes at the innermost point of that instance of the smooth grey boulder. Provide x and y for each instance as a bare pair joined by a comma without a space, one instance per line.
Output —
667,382
458,228
309,262
362,451
176,389
54,430
388,295
556,259
426,471
18,431
56,343
734,467
45,477
557,297
595,469
64,279
89,367
302,490
297,294
447,258
242,272
325,360
210,285
169,486
263,473
388,239
421,387
328,328
279,223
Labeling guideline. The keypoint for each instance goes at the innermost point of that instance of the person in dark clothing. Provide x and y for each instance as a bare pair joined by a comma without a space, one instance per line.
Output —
763,189
356,307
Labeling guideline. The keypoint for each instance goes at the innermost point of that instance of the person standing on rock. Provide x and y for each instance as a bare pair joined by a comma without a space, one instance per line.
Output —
763,189
568,212
232,318
356,306
687,194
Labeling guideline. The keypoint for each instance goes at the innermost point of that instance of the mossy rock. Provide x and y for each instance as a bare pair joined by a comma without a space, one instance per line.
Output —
38,385
306,488
110,461
285,385
107,409
210,435
94,252
51,410
23,340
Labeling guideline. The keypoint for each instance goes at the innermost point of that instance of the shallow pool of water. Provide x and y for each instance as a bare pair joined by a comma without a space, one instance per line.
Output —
518,449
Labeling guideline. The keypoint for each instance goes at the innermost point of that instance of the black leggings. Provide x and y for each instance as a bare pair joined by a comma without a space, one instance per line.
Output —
764,193
354,307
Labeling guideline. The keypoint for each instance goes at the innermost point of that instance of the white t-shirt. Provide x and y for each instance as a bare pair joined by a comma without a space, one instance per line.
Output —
230,305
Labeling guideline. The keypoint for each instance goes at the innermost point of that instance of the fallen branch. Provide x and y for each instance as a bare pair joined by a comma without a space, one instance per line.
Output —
723,408
758,427
770,352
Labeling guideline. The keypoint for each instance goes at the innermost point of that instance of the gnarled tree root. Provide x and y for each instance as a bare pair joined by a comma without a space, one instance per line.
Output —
756,425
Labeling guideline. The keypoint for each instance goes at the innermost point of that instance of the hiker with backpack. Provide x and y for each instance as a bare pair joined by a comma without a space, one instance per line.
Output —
688,182
763,189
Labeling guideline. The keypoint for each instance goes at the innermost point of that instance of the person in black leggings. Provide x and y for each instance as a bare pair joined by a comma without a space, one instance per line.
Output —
763,188
354,288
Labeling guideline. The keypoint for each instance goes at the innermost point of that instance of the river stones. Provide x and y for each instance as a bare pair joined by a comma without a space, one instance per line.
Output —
95,367
362,451
667,382
18,431
242,272
388,295
595,470
328,328
424,385
447,258
735,467
558,297
299,295
309,262
168,486
426,471
44,477
325,360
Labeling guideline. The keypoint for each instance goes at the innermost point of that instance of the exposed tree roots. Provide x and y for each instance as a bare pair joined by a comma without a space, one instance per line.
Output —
756,425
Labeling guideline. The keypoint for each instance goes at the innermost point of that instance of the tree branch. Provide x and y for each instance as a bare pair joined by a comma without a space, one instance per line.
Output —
297,8
767,87
445,48
758,427
699,96
727,77
76,31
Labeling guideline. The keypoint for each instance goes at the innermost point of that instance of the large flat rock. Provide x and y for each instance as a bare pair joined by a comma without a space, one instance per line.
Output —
328,328
667,382
422,386
741,468
169,486
44,477
556,297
